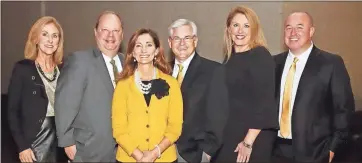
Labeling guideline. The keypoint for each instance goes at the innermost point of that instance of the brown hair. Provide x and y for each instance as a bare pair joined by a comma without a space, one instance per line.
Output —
257,36
160,61
31,48
106,12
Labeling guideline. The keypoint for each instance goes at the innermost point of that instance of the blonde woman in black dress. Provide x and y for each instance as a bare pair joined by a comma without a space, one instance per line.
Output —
248,72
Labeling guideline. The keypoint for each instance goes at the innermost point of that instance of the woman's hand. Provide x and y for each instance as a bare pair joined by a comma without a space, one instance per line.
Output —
244,152
149,156
137,155
27,155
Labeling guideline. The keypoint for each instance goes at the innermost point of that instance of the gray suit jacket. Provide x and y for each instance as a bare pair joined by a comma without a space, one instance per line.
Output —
83,101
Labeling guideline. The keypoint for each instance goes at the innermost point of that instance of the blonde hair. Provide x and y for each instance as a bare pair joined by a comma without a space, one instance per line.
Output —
256,34
31,47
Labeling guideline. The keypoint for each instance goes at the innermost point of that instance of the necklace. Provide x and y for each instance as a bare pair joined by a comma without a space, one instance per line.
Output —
144,88
43,74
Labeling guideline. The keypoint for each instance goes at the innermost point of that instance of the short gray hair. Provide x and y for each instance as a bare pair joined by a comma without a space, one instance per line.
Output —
182,22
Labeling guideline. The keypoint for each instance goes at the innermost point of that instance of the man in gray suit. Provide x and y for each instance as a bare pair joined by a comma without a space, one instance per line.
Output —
83,98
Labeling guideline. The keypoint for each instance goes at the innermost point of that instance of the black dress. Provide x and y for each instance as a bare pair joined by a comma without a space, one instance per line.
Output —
249,79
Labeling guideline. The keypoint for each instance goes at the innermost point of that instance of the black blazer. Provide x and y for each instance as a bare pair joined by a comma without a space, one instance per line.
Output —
194,88
28,103
322,108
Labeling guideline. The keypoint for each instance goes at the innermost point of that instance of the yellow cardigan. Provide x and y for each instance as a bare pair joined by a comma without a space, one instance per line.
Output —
135,125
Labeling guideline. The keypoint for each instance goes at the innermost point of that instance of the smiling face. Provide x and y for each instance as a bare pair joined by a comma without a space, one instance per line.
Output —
240,32
145,49
182,42
298,32
109,34
48,39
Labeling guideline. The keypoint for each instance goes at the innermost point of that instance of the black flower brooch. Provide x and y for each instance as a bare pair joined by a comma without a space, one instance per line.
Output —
160,88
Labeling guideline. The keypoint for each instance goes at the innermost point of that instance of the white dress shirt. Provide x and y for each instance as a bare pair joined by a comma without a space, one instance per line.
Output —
107,60
185,65
302,60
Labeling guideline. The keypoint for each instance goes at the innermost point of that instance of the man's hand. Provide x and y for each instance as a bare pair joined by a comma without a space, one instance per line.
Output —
331,155
70,151
27,155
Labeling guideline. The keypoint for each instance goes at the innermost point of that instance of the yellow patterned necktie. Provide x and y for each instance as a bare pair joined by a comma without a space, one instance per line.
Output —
115,70
179,76
285,122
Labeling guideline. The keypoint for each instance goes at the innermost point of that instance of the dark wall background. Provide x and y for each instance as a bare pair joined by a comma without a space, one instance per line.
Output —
337,24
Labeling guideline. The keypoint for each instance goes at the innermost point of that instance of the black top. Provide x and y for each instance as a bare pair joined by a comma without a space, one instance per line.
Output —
147,96
249,80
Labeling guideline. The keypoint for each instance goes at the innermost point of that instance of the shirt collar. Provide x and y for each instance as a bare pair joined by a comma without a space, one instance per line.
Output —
187,61
304,56
108,59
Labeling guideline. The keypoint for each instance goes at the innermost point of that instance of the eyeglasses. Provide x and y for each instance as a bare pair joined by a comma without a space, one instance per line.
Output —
186,39
107,32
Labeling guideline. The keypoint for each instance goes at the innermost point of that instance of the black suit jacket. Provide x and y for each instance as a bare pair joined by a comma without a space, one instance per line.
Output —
322,108
27,103
194,88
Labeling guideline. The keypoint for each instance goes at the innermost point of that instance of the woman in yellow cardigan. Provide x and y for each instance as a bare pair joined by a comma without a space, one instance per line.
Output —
147,105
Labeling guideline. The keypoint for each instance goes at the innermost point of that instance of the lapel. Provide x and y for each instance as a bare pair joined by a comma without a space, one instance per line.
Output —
310,71
102,70
35,77
191,72
121,58
172,64
279,72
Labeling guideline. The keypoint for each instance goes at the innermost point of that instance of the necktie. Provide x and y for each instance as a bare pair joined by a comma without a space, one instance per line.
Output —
285,123
179,76
115,71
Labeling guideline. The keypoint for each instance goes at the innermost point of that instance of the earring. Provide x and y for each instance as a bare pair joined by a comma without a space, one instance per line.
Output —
134,60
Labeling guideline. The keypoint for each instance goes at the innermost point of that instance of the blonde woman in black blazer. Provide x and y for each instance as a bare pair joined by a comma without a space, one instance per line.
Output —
31,93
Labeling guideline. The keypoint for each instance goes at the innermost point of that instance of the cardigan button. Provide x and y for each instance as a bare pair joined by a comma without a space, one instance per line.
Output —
147,126
147,140
34,92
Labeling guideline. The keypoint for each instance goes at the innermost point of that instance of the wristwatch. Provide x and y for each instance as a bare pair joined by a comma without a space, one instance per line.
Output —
249,146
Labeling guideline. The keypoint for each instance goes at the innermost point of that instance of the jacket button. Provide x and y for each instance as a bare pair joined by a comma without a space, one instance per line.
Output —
147,126
34,92
32,77
40,120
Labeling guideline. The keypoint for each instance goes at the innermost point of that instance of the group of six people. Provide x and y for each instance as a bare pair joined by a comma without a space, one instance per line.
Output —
104,106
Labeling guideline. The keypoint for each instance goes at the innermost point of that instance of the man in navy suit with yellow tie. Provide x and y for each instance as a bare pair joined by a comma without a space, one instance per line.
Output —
193,73
314,94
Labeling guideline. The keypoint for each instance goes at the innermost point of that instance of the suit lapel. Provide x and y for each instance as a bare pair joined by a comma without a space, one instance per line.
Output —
279,72
172,64
191,72
102,70
306,80
121,58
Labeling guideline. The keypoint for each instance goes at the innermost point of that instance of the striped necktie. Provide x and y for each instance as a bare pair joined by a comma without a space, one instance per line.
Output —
179,76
